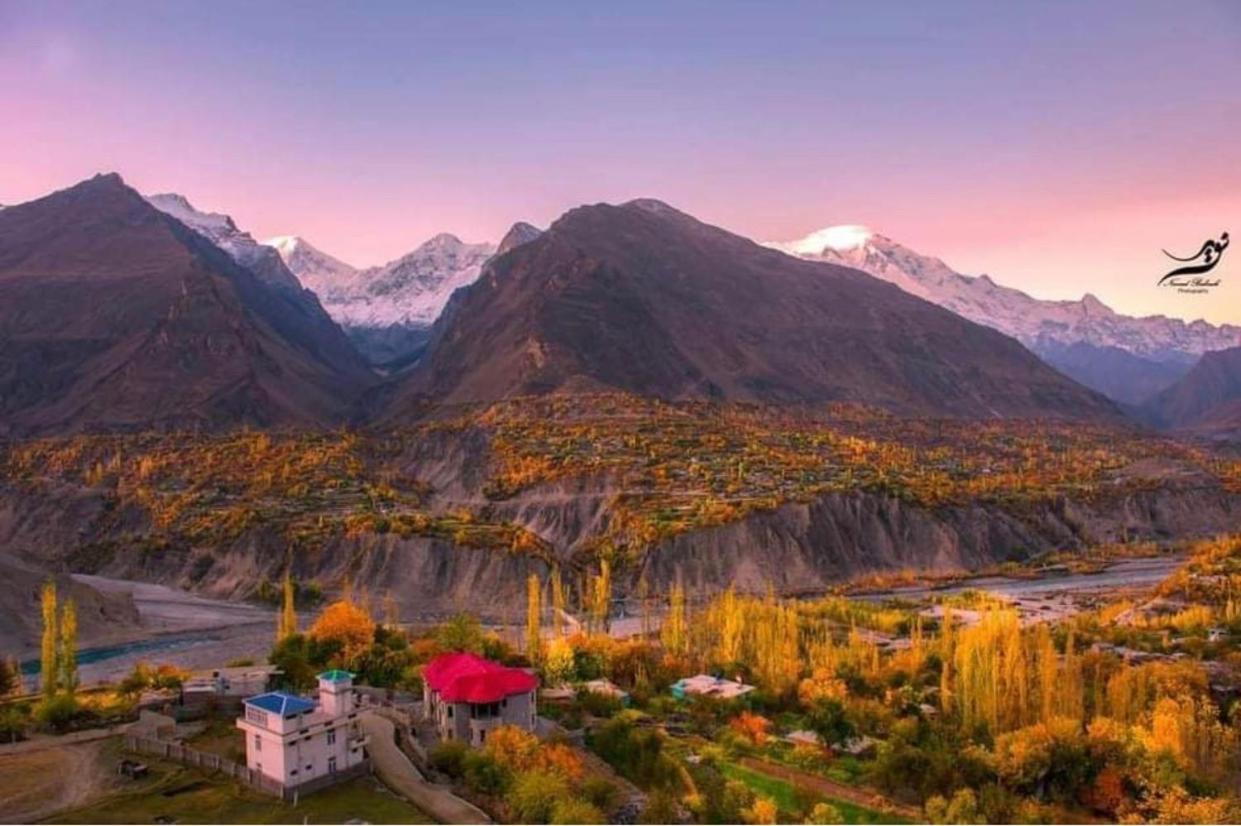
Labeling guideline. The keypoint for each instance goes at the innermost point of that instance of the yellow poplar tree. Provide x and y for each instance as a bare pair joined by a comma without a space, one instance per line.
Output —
673,634
67,655
534,617
49,669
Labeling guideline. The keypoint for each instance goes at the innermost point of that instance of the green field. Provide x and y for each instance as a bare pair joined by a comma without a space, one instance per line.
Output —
790,803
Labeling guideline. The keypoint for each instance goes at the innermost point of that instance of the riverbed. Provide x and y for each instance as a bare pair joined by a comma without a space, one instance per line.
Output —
179,628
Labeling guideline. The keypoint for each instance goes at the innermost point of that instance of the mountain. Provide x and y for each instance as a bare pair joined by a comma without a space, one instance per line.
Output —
267,264
387,310
116,316
643,298
329,278
1081,338
518,234
1207,400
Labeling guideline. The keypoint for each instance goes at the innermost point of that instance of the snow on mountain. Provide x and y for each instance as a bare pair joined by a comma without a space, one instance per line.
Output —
1041,325
330,278
260,259
409,291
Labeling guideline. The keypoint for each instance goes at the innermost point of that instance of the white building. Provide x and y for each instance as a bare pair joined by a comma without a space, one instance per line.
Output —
294,740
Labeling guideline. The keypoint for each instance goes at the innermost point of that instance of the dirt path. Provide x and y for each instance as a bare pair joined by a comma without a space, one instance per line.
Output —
39,783
400,775
830,788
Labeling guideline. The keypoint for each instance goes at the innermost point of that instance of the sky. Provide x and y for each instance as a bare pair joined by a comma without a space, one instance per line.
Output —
1056,146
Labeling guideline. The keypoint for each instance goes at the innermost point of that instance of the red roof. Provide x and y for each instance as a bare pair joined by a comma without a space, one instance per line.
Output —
468,678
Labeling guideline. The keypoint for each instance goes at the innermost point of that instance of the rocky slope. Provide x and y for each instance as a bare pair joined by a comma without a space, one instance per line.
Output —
643,298
1085,339
796,548
116,316
1206,401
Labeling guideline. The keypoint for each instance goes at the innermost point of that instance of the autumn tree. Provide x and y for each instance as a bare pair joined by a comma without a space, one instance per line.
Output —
674,633
534,618
67,653
347,625
287,626
49,667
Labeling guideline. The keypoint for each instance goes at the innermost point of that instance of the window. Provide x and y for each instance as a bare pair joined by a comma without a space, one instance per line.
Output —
450,711
258,743
331,737
331,765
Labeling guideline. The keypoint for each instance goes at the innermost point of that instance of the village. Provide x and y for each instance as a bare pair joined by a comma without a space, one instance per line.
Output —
949,702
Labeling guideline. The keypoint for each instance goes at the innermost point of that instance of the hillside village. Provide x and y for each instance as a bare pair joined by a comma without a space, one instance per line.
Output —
907,699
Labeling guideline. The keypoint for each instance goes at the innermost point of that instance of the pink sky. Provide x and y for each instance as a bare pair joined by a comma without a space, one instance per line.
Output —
1057,149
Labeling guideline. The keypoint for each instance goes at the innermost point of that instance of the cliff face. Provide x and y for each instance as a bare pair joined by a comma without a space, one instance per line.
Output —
800,547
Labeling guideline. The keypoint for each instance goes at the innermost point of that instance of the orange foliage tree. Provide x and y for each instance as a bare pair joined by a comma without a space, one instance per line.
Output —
348,624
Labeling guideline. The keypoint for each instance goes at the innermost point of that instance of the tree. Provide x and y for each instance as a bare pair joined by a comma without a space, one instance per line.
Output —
673,634
349,626
534,618
67,654
49,668
288,612
558,605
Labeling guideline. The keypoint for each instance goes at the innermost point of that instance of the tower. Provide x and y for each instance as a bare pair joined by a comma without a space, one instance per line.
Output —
336,692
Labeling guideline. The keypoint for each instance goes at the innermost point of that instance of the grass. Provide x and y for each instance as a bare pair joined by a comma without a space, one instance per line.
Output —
175,793
791,803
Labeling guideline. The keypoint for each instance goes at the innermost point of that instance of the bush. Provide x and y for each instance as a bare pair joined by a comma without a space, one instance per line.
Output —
57,713
484,775
600,792
824,813
661,808
534,794
569,811
449,757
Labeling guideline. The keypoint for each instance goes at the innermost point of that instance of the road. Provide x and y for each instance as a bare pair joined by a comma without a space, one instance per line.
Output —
400,775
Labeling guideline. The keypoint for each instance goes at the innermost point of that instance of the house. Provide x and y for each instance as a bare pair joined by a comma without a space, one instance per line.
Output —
237,681
606,688
295,740
704,685
467,696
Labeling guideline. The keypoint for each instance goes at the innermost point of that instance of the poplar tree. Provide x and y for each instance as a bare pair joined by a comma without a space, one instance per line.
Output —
288,611
49,669
534,617
67,655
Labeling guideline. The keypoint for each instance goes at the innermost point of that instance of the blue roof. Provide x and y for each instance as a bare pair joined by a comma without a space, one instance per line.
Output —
277,702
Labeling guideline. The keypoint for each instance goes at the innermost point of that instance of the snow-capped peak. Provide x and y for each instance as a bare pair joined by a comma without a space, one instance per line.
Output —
839,238
409,291
223,232
1040,325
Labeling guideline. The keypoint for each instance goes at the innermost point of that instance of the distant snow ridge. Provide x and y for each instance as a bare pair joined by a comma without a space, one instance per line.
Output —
409,291
1040,325
260,259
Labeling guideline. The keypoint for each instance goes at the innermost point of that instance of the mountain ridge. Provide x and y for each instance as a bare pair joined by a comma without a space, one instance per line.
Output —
645,298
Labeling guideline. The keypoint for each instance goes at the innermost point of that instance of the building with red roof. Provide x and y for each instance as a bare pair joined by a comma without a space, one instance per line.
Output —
467,696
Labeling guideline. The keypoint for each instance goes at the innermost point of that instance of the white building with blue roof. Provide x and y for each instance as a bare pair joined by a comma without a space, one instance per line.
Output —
297,741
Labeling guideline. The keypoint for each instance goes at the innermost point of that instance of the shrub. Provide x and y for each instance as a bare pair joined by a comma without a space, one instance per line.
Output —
449,757
56,713
569,811
600,792
824,813
534,794
484,775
